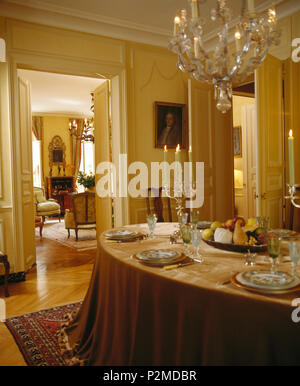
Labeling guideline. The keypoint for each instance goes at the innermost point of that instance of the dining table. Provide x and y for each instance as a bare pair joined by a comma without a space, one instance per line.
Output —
136,314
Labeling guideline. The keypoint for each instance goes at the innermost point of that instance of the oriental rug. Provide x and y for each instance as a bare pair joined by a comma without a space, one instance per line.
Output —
36,334
56,231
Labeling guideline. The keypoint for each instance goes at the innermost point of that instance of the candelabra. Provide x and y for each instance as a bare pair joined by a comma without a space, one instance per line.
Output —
179,192
292,195
253,35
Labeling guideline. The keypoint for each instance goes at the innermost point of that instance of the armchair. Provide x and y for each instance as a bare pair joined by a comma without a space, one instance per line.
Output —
83,215
45,207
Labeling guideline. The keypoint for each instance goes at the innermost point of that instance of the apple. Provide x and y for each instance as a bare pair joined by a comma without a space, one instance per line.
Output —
229,224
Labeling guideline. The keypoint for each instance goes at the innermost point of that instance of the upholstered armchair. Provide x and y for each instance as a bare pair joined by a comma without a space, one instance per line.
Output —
83,214
44,207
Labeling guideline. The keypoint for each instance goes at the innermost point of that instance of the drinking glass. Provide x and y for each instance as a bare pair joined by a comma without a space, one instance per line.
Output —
274,244
263,222
184,218
151,221
194,216
196,237
294,248
186,237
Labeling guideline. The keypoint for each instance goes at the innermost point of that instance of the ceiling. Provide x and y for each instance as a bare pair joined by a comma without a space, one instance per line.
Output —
58,94
137,20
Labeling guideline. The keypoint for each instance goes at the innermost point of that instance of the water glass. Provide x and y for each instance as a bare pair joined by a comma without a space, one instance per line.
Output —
196,237
186,237
250,259
194,216
274,244
294,248
263,222
151,221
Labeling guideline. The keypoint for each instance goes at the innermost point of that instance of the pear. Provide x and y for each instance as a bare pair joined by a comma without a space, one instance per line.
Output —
239,236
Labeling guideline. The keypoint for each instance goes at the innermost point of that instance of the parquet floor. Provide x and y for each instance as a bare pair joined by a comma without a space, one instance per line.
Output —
61,276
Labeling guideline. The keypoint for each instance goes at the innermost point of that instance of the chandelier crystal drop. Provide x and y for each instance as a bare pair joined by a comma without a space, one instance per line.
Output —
237,53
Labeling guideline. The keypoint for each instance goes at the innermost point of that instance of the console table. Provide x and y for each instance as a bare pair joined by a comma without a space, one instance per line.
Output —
5,262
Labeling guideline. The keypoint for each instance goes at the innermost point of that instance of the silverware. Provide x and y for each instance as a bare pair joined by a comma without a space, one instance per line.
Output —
179,265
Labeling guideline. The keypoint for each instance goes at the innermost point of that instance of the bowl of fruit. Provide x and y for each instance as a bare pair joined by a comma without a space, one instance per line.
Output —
236,235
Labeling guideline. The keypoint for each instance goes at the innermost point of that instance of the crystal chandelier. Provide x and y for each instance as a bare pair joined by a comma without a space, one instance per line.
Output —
88,130
227,63
87,134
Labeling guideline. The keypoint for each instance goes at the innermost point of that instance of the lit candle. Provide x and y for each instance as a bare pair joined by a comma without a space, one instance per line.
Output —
196,48
176,25
291,158
165,153
178,174
251,6
195,14
238,40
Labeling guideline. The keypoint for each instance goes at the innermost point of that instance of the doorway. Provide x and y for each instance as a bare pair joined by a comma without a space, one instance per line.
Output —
62,149
245,157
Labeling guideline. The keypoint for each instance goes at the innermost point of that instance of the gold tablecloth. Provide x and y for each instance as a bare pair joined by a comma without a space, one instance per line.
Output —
134,314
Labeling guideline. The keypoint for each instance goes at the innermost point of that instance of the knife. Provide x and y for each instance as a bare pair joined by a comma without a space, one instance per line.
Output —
179,265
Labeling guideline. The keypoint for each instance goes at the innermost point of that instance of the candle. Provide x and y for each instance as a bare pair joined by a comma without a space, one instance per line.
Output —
195,14
191,176
196,48
238,40
251,6
291,158
165,167
176,25
178,173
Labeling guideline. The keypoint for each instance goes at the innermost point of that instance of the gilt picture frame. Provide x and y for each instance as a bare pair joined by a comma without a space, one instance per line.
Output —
170,125
237,142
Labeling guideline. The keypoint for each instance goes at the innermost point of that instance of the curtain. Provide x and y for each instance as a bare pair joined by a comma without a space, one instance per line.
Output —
76,145
37,127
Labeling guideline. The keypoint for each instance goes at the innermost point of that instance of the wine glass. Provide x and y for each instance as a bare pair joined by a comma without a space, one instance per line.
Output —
274,244
294,248
263,222
186,237
151,221
196,237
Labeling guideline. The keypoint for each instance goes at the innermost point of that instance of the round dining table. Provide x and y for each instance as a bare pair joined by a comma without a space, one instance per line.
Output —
136,314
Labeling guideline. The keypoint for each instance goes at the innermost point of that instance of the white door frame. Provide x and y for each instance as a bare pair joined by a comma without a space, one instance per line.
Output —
76,67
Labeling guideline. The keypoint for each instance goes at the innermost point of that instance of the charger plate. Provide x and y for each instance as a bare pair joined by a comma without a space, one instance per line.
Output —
160,257
122,235
236,280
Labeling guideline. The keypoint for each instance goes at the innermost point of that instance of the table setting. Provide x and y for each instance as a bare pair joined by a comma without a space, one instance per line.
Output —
205,304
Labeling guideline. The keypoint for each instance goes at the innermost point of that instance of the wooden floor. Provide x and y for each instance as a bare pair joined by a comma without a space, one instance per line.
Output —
60,277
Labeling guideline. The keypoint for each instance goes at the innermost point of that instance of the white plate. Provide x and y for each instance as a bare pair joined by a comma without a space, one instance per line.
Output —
204,224
266,280
159,255
120,233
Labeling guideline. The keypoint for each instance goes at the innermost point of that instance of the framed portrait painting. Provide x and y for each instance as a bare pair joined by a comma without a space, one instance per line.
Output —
237,141
170,124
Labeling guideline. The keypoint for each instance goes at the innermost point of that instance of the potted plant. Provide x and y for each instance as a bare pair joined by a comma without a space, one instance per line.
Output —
86,180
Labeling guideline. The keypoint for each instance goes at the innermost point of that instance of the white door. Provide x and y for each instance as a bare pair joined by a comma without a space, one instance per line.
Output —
24,155
270,160
102,152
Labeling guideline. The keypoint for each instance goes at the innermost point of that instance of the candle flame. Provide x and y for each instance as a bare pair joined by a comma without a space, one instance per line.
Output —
177,20
165,148
237,35
291,133
74,122
178,148
190,149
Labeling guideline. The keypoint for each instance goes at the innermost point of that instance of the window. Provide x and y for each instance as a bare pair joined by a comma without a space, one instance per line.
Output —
87,163
36,163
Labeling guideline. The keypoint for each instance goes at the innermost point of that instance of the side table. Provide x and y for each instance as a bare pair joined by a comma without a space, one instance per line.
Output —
5,262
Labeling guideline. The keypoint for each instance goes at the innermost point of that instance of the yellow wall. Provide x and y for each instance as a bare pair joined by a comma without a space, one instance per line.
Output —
55,126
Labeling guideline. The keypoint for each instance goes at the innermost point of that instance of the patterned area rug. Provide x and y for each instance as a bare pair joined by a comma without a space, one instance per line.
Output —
56,231
35,334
